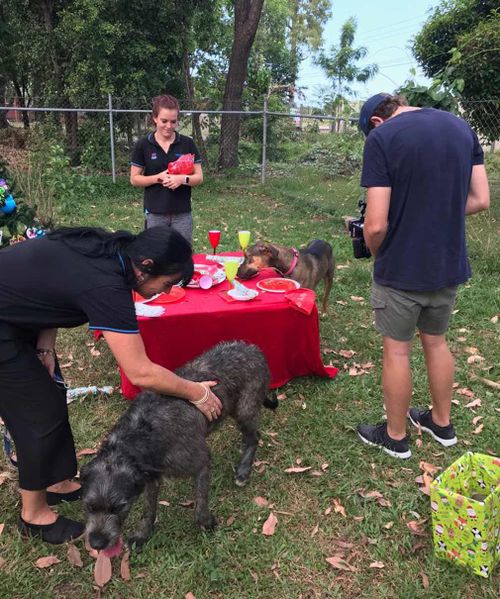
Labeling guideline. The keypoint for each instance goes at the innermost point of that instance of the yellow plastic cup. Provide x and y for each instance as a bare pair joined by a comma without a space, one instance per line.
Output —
244,239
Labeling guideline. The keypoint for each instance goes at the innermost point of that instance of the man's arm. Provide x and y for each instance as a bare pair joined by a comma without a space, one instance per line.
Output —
377,210
479,191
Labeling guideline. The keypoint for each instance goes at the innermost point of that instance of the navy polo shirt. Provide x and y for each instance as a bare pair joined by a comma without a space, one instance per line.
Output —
149,155
426,158
44,284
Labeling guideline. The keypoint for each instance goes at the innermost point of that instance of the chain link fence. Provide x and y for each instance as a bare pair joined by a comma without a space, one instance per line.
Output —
100,140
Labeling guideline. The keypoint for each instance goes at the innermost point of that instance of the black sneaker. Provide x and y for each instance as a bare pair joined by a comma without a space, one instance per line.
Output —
376,434
442,434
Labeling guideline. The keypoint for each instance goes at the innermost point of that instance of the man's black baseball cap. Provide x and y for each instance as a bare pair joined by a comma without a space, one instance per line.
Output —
367,111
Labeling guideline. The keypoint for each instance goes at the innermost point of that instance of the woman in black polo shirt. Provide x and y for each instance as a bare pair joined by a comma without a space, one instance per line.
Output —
167,198
66,279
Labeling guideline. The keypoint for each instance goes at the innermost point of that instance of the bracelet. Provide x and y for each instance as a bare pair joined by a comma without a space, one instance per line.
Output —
198,402
45,352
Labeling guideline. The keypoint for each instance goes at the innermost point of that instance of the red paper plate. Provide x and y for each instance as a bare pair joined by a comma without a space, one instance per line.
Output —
175,295
278,285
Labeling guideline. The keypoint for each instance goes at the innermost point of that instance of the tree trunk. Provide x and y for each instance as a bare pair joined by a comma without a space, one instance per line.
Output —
21,103
4,123
247,15
195,118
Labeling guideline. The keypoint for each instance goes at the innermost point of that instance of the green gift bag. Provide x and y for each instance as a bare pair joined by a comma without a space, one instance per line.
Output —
465,503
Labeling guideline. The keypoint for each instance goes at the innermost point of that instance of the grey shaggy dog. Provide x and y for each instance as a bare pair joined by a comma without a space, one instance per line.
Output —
163,436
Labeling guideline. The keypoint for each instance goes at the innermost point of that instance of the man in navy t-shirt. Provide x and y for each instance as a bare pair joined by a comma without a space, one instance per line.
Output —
424,172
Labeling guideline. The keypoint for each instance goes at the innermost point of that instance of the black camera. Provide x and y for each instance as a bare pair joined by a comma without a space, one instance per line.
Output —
355,228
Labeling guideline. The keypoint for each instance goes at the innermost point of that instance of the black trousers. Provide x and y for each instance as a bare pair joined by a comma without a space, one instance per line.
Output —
35,412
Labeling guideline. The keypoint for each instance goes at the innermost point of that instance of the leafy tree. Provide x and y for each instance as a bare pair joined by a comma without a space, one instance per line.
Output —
306,22
247,15
463,37
341,65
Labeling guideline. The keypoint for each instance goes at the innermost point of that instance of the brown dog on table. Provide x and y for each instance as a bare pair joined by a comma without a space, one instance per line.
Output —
308,266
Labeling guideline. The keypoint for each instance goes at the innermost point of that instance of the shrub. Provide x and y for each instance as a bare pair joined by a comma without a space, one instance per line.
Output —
336,155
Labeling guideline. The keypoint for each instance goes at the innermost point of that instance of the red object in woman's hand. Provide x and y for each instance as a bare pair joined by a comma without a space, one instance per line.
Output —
184,165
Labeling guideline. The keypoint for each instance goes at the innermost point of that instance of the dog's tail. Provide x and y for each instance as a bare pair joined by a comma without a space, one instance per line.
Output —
271,401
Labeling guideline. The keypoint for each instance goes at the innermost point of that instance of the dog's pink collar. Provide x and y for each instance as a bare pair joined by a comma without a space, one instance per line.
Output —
294,262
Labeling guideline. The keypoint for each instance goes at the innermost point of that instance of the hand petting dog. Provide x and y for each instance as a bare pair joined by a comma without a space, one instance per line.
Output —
209,404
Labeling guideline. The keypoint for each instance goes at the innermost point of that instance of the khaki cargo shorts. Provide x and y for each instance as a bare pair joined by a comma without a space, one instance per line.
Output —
398,313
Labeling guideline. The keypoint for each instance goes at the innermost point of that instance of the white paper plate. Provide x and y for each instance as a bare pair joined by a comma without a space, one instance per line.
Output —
252,293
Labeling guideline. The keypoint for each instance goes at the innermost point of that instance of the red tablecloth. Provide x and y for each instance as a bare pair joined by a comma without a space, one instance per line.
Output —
288,338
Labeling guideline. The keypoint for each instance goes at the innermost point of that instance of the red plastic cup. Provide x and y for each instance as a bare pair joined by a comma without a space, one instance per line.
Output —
214,238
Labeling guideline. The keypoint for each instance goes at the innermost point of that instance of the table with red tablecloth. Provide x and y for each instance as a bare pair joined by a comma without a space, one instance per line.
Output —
288,337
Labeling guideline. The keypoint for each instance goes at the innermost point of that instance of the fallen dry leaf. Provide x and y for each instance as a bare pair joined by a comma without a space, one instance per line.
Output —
472,350
377,565
46,562
269,525
230,521
164,502
346,353
2,526
324,466
415,527
389,525
476,419
188,503
125,566
87,451
475,359
474,404
337,562
478,429
2,562
418,442
260,501
102,570
316,473
465,391
430,468
342,544
425,580
92,552
95,352
314,530
494,320
189,596
339,508
377,495
328,511
4,476
297,470
357,298
74,557
281,396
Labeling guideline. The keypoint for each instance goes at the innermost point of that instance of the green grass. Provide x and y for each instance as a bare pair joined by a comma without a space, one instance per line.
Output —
315,423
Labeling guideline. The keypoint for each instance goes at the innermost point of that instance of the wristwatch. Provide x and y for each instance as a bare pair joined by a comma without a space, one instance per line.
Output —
186,180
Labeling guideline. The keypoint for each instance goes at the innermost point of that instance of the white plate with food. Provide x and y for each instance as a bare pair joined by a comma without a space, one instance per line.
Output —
217,275
248,295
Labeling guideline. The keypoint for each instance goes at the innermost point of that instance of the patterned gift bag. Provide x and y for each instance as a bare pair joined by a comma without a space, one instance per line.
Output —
465,503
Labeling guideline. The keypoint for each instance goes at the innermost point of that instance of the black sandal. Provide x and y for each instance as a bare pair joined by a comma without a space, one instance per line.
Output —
62,530
55,498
